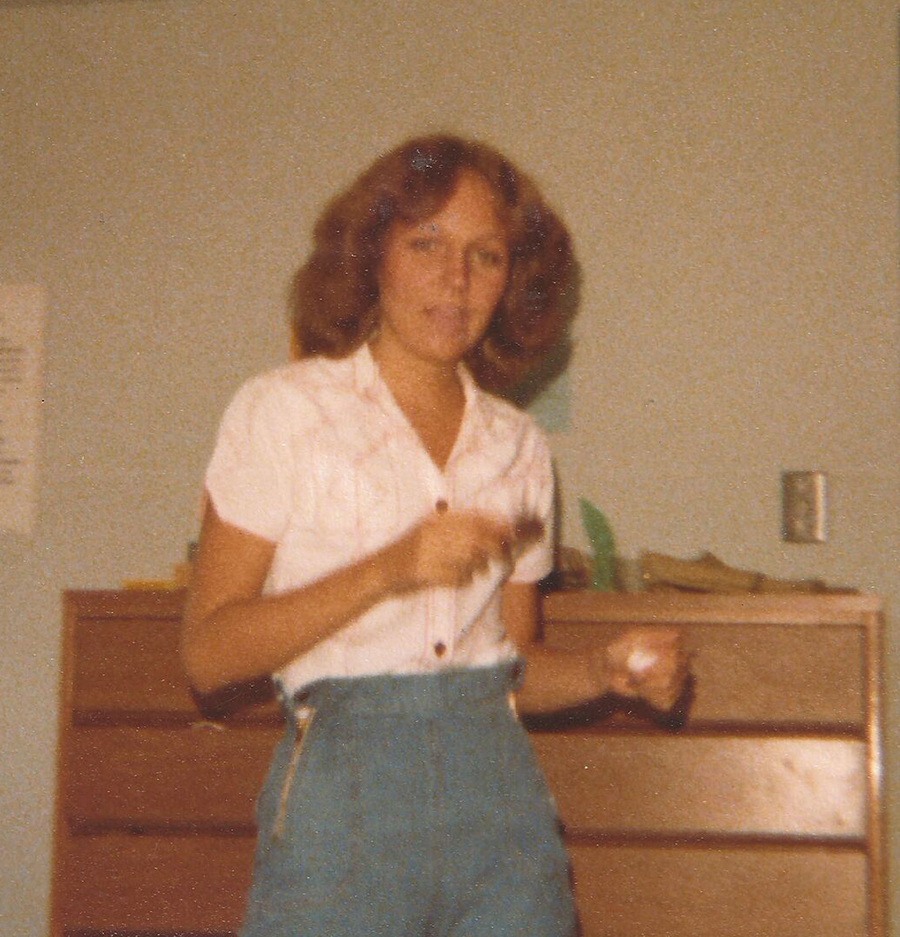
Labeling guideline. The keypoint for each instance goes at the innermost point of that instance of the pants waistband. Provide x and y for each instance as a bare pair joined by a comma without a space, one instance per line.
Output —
445,690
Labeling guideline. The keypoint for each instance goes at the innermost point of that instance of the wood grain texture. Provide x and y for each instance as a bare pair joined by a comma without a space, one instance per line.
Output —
200,778
760,674
120,883
755,812
130,664
754,787
130,667
148,778
696,608
647,891
133,603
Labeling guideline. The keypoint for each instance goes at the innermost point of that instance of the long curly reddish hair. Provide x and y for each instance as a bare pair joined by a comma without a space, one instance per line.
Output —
334,300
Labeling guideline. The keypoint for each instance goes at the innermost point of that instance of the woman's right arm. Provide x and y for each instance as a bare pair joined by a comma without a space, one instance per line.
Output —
232,632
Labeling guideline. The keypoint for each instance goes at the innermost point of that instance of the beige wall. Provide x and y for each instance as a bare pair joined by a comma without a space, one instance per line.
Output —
729,171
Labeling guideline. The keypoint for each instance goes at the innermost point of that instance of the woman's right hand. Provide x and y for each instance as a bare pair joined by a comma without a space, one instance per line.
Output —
449,549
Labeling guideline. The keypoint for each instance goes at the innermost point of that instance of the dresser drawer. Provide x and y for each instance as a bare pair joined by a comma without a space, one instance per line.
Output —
698,786
202,777
766,674
130,669
119,884
666,891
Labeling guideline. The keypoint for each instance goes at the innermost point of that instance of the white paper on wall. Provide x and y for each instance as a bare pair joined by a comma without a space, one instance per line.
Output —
21,360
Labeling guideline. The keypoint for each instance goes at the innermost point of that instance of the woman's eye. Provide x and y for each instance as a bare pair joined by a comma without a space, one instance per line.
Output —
423,245
489,258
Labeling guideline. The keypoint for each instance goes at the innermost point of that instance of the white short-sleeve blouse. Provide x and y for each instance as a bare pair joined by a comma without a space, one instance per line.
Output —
317,457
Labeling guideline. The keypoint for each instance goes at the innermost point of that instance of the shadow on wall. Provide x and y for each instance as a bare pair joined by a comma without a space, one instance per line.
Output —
536,382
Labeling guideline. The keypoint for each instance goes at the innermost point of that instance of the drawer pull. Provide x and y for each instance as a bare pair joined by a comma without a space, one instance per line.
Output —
208,724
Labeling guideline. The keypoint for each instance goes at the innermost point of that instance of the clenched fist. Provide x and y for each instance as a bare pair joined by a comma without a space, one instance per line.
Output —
645,663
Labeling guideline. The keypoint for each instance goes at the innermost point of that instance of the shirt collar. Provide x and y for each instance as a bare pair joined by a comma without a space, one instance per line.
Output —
369,383
365,371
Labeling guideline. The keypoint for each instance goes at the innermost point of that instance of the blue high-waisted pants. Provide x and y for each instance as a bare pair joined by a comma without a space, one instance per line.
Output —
413,808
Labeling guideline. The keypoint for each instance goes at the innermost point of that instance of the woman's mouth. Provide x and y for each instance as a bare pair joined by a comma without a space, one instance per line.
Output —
449,321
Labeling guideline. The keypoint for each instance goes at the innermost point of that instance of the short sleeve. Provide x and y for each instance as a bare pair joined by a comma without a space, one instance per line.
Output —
249,475
536,561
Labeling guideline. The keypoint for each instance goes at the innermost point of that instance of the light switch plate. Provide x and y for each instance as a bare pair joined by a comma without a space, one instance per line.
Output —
803,507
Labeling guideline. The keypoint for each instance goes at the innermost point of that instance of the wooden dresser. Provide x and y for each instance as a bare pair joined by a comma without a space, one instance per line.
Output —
754,811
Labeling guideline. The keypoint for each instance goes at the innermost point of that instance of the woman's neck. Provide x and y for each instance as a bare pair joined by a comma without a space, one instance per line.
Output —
414,382
431,398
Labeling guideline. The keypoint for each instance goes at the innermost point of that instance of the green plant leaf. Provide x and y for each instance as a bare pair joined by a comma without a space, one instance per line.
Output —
603,545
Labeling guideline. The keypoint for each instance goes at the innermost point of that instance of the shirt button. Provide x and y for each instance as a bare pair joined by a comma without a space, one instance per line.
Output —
440,649
441,506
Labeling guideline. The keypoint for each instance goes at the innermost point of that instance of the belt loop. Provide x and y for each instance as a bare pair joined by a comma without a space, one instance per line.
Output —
303,719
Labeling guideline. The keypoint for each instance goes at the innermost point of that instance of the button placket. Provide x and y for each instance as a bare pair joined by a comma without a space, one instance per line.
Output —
441,618
440,632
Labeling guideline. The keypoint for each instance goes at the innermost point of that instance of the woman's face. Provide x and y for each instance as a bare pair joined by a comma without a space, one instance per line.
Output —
441,278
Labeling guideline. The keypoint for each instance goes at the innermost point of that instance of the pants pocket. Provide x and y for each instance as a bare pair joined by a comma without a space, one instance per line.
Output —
290,772
309,843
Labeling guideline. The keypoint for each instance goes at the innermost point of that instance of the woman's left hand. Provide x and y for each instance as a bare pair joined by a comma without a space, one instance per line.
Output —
646,663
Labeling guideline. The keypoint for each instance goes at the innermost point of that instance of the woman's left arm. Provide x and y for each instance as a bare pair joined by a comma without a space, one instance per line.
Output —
557,679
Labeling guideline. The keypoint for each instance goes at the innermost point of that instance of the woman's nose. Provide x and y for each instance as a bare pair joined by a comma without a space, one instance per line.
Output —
456,269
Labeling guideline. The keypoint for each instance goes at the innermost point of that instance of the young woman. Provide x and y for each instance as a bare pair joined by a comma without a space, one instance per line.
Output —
376,524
